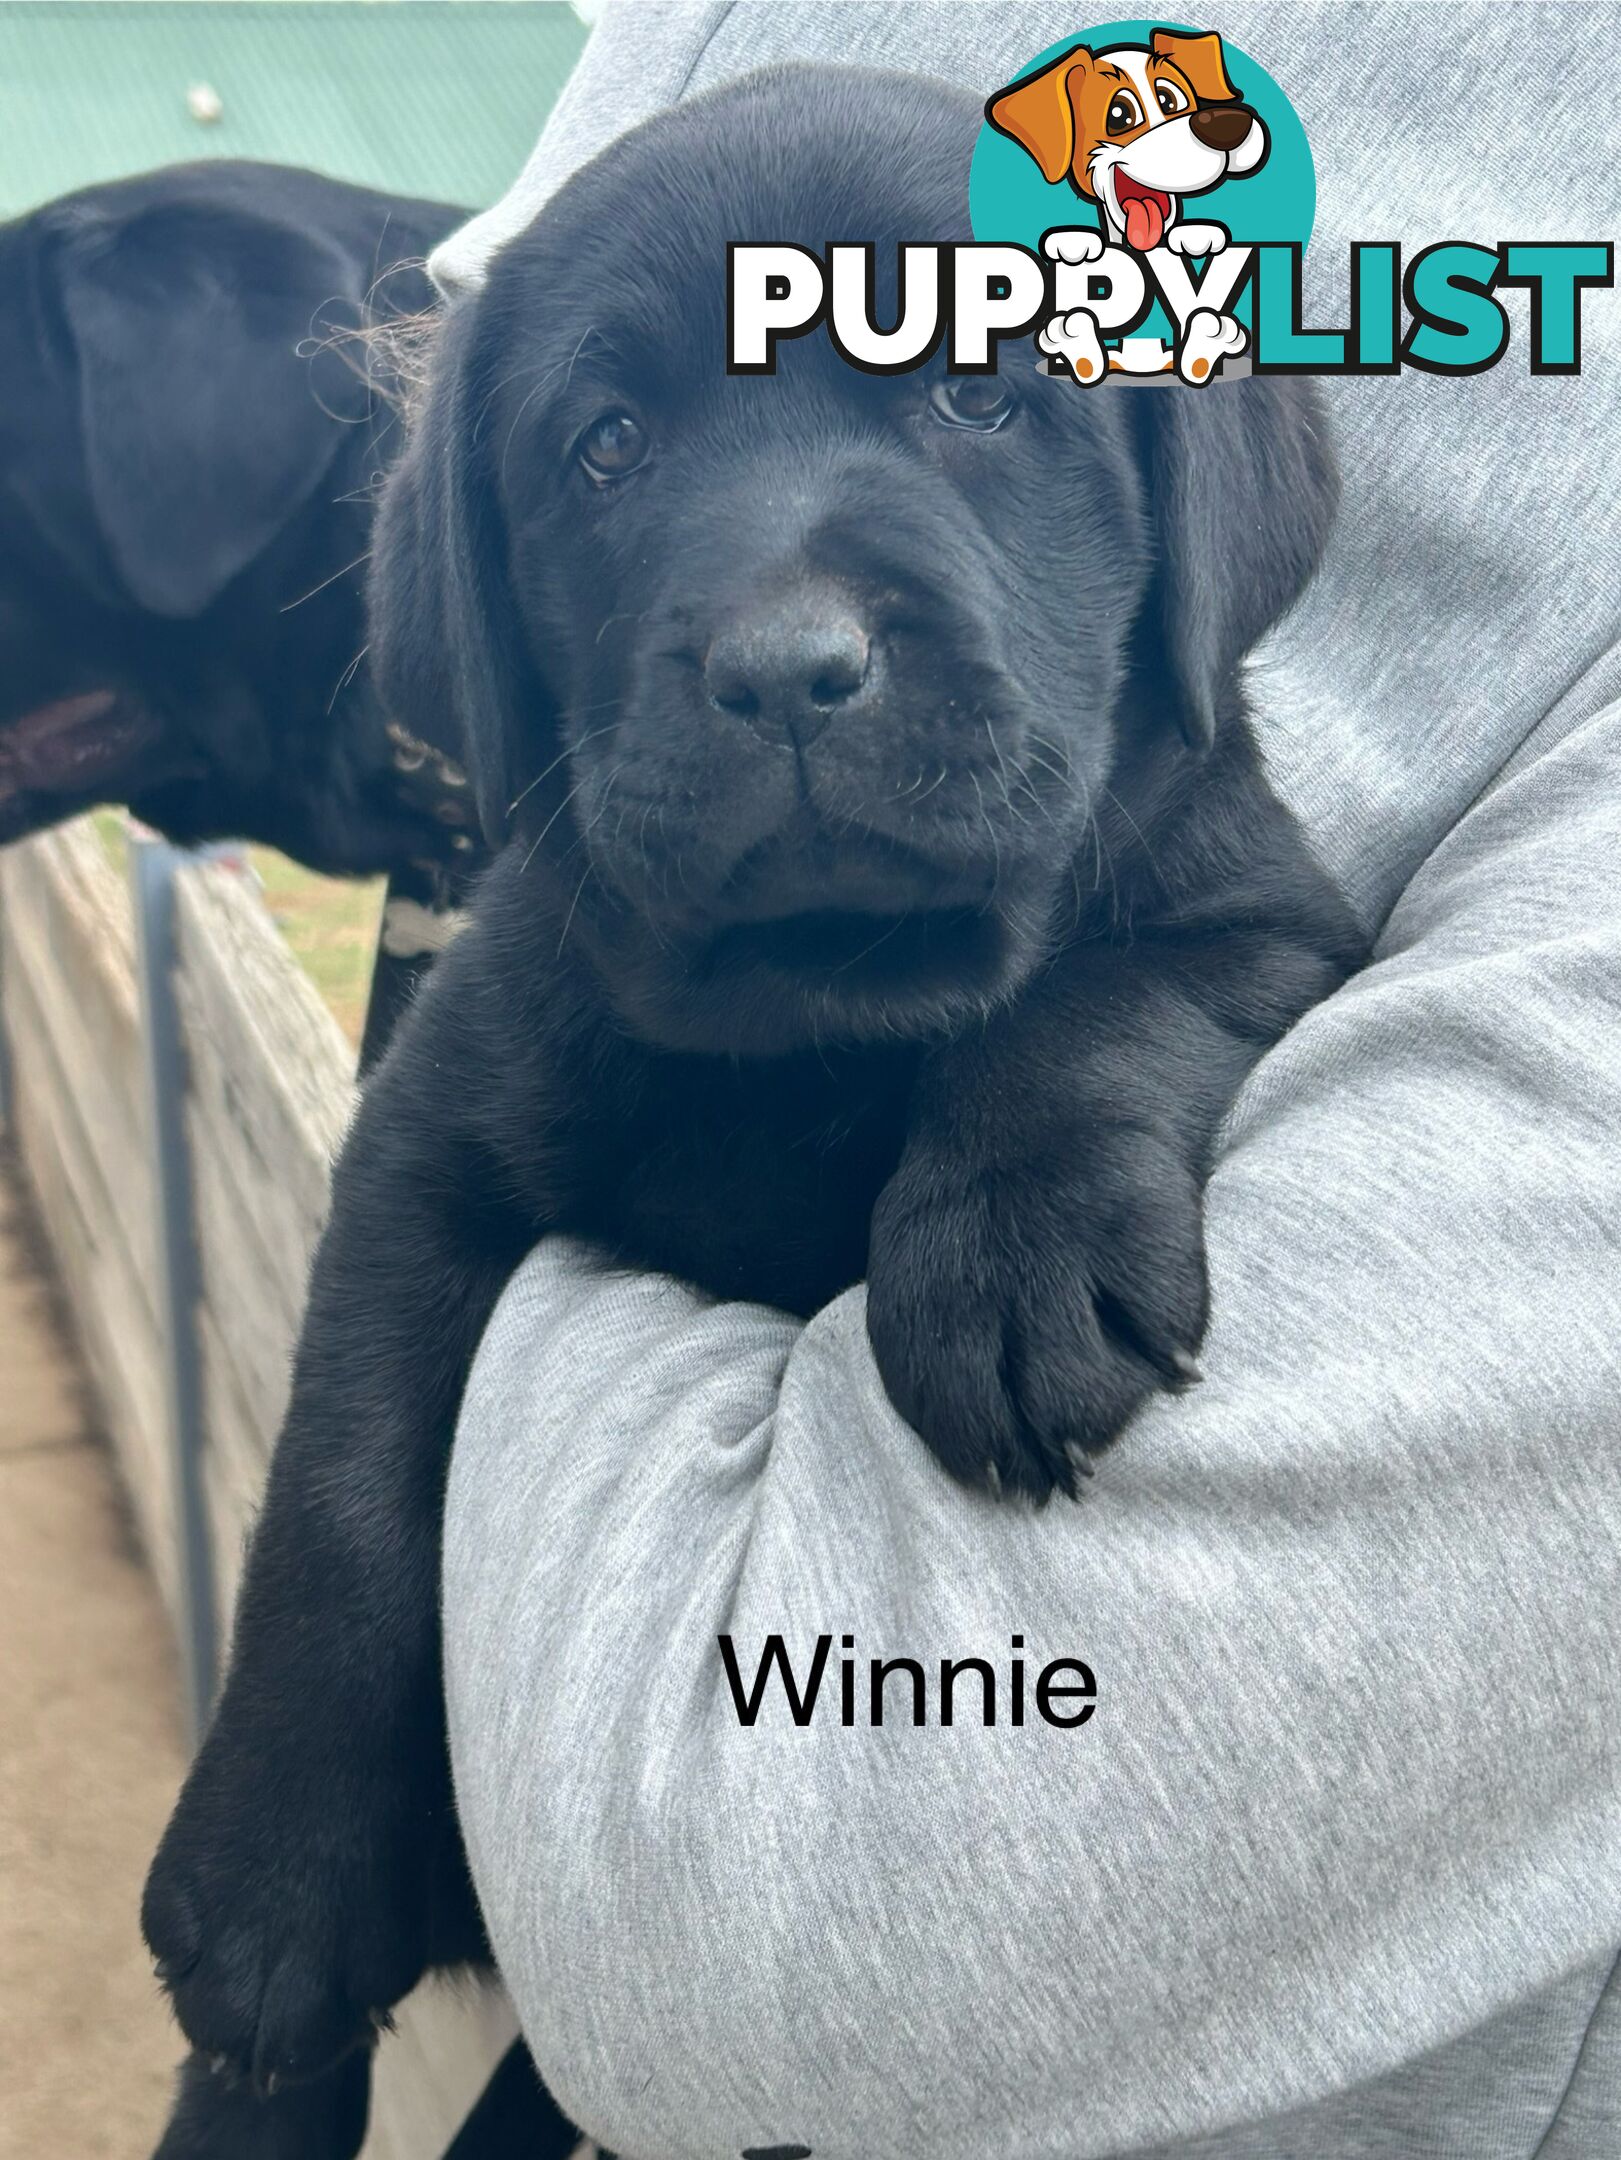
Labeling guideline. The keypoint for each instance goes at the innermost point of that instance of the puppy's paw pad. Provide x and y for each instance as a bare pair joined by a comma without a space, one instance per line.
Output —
1209,338
1074,339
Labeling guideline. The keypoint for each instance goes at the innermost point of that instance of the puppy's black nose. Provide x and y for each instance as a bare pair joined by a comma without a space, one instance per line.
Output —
788,668
1221,127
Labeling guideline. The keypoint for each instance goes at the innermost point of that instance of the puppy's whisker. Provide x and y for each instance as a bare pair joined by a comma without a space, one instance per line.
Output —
506,382
882,938
535,367
582,837
568,919
1136,828
1104,858
1061,779
996,846
326,581
545,772
346,678
1004,782
1002,768
567,372
550,822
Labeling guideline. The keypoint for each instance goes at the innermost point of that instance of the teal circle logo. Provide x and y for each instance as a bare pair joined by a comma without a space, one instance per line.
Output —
1167,144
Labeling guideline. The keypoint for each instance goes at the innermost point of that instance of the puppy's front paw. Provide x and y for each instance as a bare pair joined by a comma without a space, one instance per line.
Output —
1208,340
1074,337
216,2118
286,1911
1020,1314
1192,239
1073,244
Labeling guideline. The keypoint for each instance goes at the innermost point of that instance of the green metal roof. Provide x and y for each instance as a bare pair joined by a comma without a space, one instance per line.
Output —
430,97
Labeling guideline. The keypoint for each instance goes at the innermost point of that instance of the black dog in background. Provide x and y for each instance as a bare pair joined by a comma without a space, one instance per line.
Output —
893,889
190,445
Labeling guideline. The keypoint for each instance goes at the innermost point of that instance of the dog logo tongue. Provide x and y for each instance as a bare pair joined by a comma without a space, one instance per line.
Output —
1144,212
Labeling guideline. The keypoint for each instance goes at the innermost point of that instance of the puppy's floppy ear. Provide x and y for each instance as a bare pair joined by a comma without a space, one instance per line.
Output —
1039,112
1243,488
446,650
1200,57
202,428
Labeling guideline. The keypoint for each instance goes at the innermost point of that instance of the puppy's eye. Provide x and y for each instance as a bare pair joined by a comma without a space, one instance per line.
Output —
612,446
1124,113
1171,99
972,401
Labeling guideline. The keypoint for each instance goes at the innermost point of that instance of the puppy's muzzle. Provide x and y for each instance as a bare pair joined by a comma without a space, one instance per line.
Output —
790,665
1221,127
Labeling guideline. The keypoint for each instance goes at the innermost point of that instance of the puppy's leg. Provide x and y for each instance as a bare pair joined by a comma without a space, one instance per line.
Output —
313,1866
1037,1260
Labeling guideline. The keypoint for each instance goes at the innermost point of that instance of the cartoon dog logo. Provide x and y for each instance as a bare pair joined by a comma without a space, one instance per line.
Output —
1137,130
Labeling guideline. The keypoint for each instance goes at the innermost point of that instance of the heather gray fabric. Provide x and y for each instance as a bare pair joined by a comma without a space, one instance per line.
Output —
1334,1872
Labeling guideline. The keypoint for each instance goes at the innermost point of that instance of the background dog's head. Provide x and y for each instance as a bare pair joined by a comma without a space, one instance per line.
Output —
186,448
799,691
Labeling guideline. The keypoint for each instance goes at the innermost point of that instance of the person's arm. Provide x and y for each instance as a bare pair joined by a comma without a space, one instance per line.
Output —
1352,1786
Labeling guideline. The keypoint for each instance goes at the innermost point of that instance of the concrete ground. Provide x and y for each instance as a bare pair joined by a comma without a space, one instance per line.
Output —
90,1759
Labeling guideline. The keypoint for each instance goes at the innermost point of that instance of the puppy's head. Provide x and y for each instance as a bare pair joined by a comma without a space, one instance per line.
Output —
1134,129
797,691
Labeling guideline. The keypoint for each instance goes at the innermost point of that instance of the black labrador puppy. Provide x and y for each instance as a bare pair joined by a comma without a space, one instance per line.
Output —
890,887
188,455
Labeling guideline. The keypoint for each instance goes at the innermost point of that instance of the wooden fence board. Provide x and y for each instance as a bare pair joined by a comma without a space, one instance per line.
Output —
291,1067
269,1081
276,1235
113,1321
67,971
447,2038
81,981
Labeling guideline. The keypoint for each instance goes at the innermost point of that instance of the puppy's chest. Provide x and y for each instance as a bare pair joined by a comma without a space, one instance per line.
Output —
754,1183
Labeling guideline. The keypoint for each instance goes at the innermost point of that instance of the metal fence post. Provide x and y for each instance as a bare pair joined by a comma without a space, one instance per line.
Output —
7,1113
153,863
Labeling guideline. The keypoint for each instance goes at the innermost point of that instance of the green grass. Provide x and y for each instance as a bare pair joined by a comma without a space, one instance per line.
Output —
329,924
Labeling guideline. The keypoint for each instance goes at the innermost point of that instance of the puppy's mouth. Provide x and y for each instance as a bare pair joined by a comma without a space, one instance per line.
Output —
1146,211
861,947
853,906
